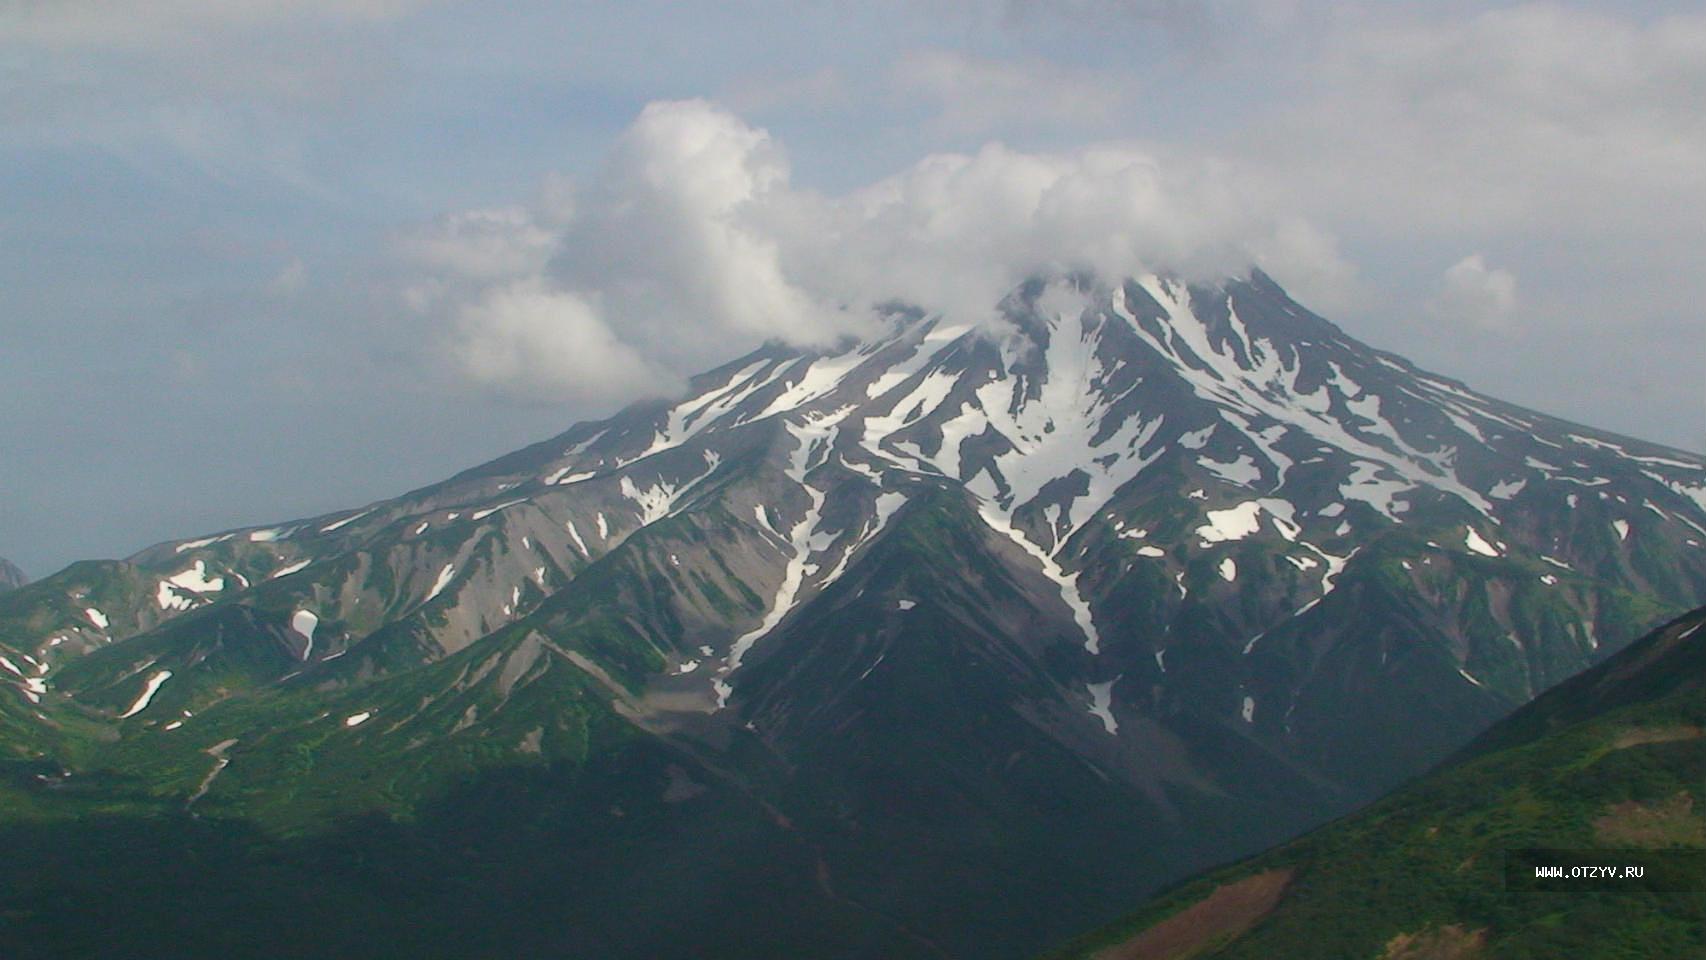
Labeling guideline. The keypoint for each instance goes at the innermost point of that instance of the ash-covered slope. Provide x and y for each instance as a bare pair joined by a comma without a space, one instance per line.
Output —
1145,576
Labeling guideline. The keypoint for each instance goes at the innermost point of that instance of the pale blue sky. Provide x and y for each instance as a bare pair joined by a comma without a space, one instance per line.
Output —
212,212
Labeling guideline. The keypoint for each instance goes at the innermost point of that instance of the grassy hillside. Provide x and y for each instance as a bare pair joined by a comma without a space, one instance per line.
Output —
1612,761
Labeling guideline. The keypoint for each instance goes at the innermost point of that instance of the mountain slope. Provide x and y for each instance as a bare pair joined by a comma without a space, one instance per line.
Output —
1063,607
1608,761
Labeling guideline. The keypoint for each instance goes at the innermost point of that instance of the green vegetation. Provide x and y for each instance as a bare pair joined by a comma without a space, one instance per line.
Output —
1430,858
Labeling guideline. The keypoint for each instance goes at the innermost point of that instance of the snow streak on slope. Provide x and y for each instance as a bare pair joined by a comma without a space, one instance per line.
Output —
659,500
1068,583
1056,435
444,577
800,542
147,696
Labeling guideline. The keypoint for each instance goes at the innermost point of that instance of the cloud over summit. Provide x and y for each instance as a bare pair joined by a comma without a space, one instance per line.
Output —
692,243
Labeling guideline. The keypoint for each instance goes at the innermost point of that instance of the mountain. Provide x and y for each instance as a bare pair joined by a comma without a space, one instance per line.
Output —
10,576
1607,761
945,643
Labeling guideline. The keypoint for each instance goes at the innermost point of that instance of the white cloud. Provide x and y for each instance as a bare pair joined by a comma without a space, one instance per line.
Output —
956,232
669,234
692,244
1514,118
1476,295
1307,259
489,244
655,270
524,338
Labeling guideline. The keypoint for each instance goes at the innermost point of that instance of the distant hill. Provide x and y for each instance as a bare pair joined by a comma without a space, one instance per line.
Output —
1610,760
11,577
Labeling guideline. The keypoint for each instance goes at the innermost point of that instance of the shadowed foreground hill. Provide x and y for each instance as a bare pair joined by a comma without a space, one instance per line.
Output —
1611,760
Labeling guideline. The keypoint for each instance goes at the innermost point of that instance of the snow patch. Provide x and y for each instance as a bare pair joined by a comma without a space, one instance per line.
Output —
483,514
575,535
148,691
196,580
1233,523
169,599
1196,439
1367,485
1506,489
444,576
304,622
339,525
286,571
1101,704
193,544
565,476
1474,541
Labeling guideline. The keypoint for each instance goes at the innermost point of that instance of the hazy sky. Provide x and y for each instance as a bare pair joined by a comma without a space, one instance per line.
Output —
261,259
